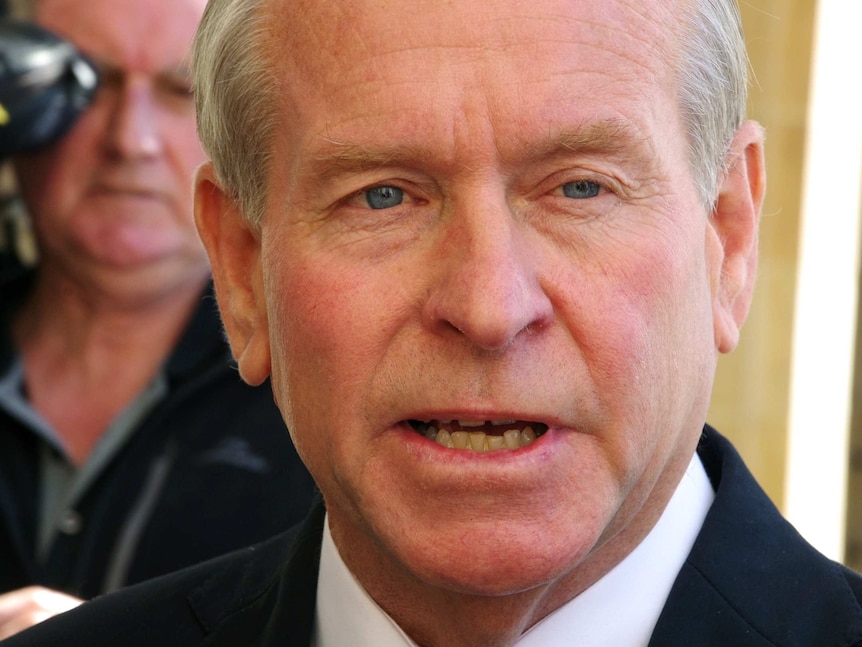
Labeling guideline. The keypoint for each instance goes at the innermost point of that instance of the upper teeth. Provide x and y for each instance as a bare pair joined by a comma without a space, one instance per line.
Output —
479,441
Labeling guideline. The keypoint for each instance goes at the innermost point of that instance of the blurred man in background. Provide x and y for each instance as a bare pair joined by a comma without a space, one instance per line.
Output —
129,446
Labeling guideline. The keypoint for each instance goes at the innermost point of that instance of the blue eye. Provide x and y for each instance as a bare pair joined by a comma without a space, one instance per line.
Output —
384,197
581,189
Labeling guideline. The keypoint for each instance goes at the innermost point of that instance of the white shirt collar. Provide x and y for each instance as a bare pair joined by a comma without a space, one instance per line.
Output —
345,614
635,589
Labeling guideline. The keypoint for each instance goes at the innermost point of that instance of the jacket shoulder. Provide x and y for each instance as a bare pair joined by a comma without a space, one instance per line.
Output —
189,606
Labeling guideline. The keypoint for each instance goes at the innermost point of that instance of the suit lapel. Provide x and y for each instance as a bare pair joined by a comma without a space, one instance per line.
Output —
270,601
749,571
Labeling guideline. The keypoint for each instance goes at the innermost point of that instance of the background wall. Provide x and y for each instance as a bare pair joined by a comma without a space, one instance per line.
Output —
751,396
790,397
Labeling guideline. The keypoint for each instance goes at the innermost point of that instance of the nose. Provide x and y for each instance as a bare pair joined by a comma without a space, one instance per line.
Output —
489,289
133,130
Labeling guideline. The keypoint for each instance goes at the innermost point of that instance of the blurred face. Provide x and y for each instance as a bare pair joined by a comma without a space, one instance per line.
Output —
111,202
484,286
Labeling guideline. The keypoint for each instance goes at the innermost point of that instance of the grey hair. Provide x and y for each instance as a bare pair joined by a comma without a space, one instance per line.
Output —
235,99
713,88
236,94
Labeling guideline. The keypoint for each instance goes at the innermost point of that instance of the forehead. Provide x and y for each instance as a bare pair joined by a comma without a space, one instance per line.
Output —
475,24
346,65
129,33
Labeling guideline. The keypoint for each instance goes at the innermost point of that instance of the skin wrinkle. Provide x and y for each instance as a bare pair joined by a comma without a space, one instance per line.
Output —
373,159
381,159
514,39
582,26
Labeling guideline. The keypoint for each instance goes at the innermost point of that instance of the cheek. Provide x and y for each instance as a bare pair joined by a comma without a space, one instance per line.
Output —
52,180
322,326
672,305
328,338
640,316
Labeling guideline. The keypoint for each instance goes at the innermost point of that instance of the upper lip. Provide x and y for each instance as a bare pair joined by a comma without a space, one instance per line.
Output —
494,428
497,417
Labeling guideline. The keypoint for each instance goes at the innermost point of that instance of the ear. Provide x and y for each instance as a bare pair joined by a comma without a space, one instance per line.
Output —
732,235
233,246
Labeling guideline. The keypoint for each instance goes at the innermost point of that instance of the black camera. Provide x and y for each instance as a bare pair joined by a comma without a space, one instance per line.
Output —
45,84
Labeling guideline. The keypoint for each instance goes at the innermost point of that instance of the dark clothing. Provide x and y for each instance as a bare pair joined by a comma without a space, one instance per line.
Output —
211,468
750,581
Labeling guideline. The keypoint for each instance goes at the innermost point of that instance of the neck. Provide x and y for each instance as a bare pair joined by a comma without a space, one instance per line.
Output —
87,356
82,323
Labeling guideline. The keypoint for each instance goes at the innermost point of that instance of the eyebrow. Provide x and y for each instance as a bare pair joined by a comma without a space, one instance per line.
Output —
339,157
613,137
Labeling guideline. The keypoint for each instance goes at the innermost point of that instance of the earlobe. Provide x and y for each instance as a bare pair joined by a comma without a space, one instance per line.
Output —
733,231
233,247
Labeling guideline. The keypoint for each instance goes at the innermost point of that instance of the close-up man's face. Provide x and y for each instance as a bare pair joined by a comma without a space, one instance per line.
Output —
112,201
482,220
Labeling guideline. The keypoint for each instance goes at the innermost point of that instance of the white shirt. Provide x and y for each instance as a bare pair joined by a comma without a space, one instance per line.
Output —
634,590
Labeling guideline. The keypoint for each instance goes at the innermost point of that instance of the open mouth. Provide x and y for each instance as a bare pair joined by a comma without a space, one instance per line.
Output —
480,435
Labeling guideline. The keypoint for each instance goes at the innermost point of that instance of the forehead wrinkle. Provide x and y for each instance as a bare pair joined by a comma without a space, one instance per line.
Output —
608,137
345,35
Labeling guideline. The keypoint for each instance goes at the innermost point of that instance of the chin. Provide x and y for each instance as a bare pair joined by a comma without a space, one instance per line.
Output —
500,562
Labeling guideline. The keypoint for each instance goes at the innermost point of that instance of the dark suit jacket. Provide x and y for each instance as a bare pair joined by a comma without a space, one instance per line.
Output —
750,581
